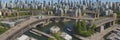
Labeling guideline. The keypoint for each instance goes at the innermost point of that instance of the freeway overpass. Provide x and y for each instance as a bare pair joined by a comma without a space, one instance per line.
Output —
12,33
103,21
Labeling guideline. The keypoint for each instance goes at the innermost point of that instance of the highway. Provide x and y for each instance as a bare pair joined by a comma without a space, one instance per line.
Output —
40,32
103,21
11,32
99,36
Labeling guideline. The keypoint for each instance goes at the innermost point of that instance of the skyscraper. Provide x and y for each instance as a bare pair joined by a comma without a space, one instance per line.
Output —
26,1
58,1
0,4
4,5
12,3
68,1
52,3
84,2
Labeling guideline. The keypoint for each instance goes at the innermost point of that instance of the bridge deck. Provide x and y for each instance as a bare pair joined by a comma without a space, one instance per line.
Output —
99,36
103,21
15,29
11,32
40,32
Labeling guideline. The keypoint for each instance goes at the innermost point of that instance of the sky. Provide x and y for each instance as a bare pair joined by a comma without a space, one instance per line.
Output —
71,0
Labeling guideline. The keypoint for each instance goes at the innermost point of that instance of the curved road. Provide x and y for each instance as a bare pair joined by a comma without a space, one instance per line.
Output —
11,32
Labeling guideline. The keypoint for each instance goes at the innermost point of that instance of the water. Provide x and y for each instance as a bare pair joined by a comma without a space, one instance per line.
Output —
63,26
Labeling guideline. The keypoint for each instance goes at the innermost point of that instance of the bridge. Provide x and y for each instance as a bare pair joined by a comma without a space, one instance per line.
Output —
14,32
103,21
13,18
40,32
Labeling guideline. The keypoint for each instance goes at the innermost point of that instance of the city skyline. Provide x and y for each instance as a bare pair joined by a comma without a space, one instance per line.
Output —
64,0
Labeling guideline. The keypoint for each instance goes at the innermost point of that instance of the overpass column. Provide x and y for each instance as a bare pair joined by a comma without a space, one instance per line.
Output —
76,13
95,16
102,28
51,13
48,20
65,12
62,13
76,20
115,17
98,13
80,15
48,13
84,9
111,23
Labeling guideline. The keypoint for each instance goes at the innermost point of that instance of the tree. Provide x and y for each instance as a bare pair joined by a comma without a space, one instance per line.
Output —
57,36
118,13
81,29
83,25
93,27
50,39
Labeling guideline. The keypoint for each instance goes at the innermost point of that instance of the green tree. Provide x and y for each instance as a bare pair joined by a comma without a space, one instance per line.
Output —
83,25
81,29
57,36
118,14
50,39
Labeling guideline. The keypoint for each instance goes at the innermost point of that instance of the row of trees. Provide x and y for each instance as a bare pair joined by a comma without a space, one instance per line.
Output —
83,30
28,9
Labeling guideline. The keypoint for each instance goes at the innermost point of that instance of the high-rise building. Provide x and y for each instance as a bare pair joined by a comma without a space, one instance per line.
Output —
4,5
58,1
114,6
12,3
0,4
44,3
52,3
84,3
68,1
26,1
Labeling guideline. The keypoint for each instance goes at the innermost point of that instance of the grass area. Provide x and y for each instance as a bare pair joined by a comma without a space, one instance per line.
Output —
3,29
22,9
83,30
20,14
24,13
57,36
50,39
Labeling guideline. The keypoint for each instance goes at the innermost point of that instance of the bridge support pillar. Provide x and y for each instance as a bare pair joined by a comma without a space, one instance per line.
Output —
51,13
113,22
80,14
84,14
65,12
43,25
64,20
98,15
47,22
102,28
48,12
95,15
76,21
62,14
